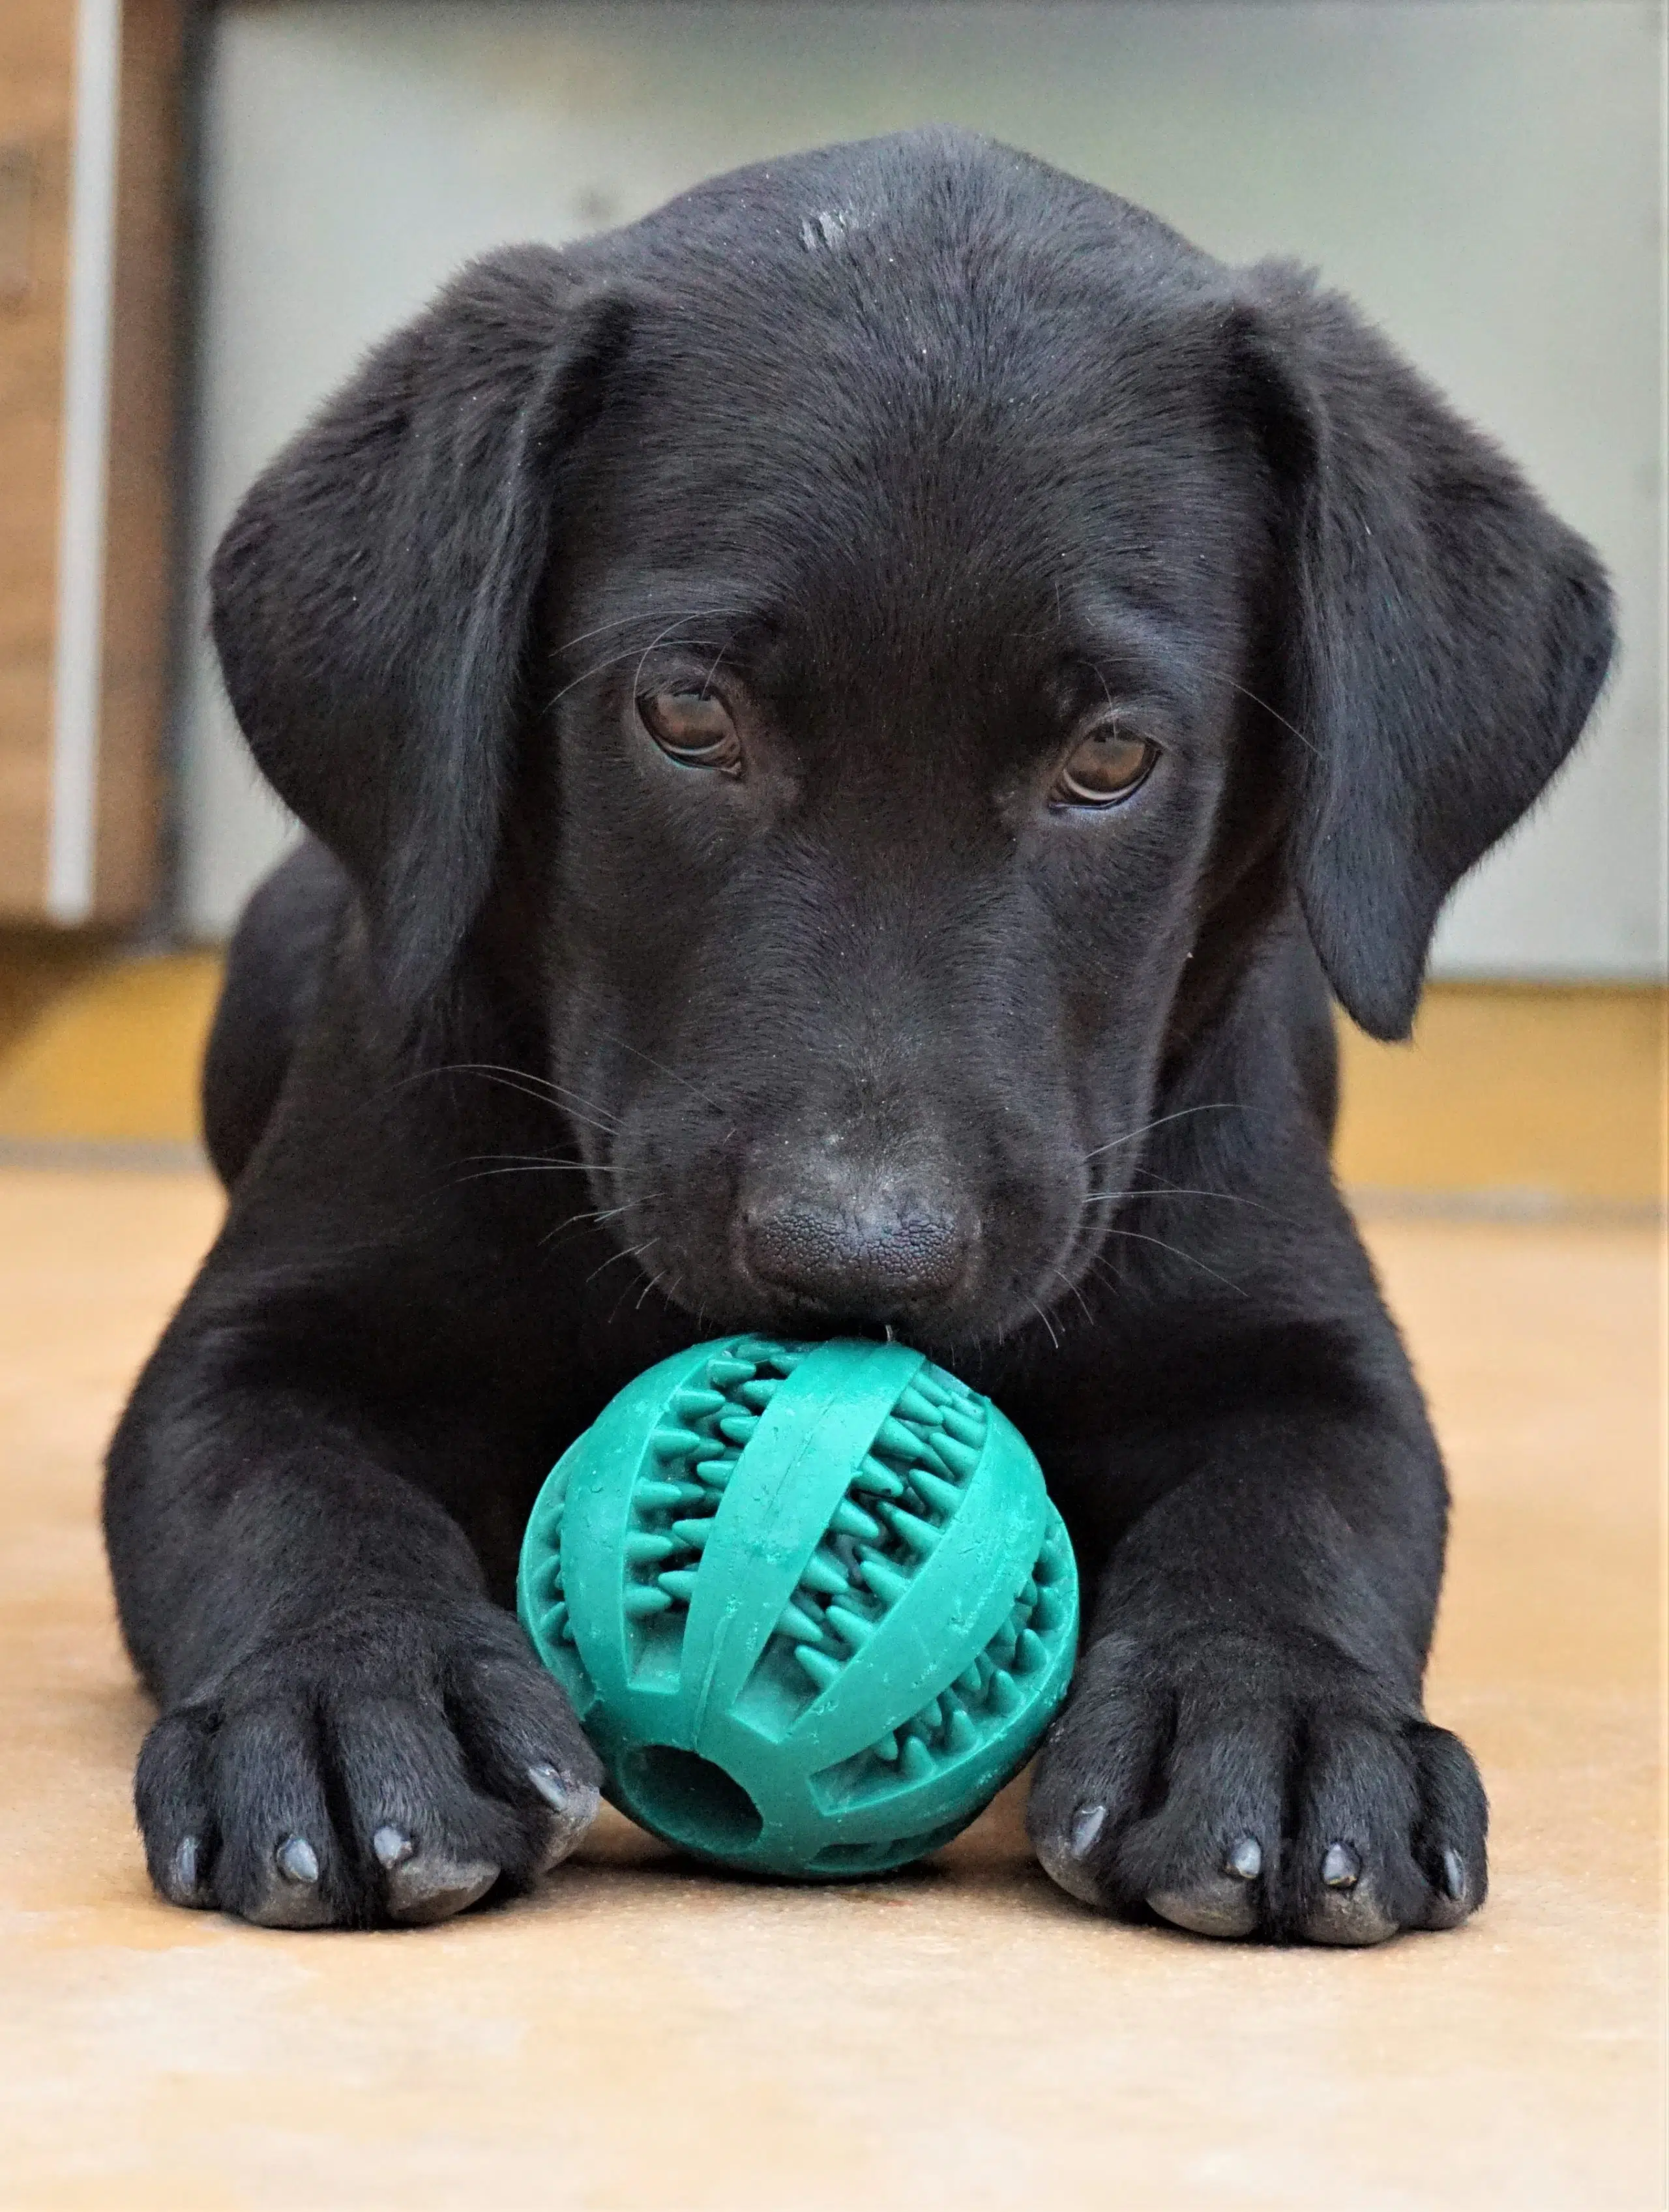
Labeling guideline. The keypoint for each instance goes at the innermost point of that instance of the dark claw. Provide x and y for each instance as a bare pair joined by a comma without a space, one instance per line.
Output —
185,1884
1341,1868
1246,1859
1452,1900
291,1896
391,1845
1064,1862
297,1860
574,1803
550,1786
1087,1824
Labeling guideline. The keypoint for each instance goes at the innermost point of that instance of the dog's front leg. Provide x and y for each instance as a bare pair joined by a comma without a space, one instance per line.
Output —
350,1732
1245,1751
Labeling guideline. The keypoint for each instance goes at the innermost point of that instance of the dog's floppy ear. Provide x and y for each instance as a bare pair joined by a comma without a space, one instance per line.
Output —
373,597
1442,636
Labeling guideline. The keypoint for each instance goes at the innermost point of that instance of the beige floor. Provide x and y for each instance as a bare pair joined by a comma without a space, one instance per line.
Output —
642,2037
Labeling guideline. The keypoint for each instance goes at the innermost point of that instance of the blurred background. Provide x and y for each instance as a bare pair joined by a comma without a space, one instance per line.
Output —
207,212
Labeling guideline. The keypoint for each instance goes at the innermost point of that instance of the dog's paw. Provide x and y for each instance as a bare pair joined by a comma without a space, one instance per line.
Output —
1248,1790
396,1767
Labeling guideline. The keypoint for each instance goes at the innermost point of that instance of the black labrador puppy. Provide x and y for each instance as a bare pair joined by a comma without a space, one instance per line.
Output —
847,731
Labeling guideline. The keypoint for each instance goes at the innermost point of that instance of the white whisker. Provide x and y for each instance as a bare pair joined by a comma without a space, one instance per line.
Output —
1218,1106
1139,1237
1054,1338
696,614
613,1256
1309,747
561,1093
1178,1191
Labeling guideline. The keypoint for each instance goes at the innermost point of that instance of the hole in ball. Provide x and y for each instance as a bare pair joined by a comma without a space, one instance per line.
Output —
692,1801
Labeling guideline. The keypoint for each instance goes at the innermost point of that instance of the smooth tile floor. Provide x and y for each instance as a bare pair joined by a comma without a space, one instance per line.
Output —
643,2036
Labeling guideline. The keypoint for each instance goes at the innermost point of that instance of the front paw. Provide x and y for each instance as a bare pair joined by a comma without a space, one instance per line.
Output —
395,1767
1240,1788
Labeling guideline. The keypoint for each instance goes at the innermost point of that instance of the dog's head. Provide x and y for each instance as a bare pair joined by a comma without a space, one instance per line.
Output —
892,607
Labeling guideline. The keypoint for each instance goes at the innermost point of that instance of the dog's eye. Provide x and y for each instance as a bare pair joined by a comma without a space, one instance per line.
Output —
693,728
1106,766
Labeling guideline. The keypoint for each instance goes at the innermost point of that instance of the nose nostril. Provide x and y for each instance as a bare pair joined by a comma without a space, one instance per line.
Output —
857,1257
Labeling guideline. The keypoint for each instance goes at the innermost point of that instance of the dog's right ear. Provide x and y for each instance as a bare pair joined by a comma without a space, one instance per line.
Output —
375,596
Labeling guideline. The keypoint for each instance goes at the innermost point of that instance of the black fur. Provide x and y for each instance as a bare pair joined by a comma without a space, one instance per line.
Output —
551,1054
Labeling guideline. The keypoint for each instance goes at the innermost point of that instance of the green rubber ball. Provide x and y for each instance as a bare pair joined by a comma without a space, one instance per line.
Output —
811,1601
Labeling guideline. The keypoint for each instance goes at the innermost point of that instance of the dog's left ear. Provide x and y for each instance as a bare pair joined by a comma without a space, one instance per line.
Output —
1441,635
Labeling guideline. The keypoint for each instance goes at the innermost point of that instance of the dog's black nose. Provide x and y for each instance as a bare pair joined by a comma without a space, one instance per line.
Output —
870,1253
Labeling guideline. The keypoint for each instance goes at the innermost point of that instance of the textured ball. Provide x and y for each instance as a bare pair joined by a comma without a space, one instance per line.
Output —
811,1601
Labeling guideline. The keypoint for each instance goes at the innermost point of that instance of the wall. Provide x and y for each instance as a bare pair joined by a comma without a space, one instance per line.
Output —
1483,176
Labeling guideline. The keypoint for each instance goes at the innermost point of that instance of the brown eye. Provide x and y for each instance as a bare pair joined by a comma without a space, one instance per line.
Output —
693,728
1106,766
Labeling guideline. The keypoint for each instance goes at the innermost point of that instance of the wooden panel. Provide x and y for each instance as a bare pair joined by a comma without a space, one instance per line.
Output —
37,99
1521,1094
138,573
36,127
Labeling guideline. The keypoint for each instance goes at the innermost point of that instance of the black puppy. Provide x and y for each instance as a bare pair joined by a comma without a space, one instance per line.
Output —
848,729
